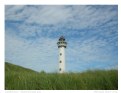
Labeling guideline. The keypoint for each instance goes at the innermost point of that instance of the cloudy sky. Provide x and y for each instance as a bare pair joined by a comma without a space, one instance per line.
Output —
32,32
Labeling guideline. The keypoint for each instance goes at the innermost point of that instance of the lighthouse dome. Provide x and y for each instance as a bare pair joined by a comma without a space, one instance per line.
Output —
62,38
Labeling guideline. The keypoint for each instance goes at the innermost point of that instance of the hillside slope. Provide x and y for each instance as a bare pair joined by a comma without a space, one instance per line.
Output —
19,78
16,68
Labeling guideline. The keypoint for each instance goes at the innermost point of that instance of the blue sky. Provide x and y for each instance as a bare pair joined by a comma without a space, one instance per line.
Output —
32,32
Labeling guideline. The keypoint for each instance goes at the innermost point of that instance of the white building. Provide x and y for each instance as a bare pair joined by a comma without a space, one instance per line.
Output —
61,45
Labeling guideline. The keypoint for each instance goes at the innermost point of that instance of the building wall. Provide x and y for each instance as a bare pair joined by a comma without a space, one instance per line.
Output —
61,59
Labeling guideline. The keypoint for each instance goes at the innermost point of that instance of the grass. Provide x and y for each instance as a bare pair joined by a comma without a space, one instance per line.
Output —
19,78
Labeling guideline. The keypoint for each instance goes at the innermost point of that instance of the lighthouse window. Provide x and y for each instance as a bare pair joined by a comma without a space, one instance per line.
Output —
60,69
60,61
60,54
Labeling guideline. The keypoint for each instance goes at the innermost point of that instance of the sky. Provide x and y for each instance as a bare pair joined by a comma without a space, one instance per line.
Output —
91,32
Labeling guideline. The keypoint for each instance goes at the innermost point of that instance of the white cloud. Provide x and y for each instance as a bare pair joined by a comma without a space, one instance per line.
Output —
28,30
83,54
49,15
88,16
13,12
74,17
40,15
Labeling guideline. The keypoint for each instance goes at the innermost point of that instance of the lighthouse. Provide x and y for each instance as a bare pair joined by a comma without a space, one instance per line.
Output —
61,46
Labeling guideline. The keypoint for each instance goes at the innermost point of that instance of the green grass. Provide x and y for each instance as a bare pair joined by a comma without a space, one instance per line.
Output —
19,78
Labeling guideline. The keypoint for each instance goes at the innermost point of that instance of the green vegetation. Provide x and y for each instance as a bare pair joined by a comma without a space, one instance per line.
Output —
19,78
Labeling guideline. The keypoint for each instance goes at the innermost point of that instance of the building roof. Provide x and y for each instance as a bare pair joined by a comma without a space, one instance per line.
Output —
62,38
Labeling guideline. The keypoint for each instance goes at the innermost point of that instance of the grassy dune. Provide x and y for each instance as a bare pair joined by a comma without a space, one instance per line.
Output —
19,78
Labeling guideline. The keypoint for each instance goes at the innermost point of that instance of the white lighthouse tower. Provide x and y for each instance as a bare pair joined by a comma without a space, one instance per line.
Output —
61,45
